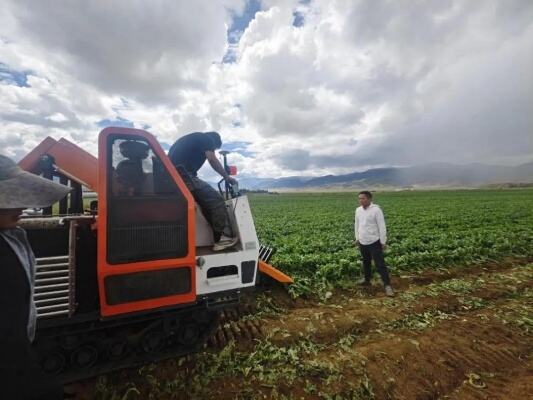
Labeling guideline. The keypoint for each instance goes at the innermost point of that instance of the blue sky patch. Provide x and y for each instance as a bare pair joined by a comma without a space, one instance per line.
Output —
238,26
122,122
238,147
299,19
13,77
241,22
230,56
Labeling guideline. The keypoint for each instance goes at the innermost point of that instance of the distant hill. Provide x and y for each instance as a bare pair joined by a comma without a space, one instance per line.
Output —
428,175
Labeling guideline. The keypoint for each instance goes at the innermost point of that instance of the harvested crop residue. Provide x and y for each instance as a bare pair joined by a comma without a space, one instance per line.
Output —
458,334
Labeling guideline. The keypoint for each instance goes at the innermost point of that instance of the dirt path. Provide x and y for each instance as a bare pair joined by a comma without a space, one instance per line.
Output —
461,334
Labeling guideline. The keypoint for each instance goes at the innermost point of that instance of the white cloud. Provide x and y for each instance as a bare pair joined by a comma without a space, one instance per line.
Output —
102,61
360,84
401,83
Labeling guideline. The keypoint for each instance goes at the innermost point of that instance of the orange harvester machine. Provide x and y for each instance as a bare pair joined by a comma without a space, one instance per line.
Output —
116,282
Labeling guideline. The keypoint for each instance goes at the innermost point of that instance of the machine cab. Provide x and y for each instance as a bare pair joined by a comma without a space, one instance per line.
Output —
146,236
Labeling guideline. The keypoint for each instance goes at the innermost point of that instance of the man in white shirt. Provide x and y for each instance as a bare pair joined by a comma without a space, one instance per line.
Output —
371,236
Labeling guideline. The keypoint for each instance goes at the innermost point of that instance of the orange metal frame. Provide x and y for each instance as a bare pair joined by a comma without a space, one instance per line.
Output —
104,268
70,159
274,273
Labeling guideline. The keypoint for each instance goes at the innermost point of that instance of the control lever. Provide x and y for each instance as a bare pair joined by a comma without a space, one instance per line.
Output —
231,190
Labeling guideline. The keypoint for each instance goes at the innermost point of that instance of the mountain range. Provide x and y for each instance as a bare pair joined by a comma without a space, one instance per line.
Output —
427,175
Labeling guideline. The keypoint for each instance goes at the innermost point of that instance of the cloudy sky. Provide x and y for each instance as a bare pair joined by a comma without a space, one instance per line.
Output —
294,87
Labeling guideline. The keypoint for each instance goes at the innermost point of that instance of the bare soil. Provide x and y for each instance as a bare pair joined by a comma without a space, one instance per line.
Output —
463,333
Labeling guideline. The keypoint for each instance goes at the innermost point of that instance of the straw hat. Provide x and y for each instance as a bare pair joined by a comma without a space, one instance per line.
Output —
21,189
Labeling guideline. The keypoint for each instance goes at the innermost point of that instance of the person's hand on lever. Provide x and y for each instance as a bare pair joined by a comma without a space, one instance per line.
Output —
230,180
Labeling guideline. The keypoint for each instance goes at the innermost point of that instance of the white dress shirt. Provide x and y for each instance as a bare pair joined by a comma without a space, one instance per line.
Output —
370,225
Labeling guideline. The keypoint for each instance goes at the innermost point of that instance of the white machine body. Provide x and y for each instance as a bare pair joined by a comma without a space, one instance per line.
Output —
233,268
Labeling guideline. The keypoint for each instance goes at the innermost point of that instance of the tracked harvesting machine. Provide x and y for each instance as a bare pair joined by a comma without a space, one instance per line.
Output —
133,278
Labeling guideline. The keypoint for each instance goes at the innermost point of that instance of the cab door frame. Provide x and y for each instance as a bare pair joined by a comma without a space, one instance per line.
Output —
110,271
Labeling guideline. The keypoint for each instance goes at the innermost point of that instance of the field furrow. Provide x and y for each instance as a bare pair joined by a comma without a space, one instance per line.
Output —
459,337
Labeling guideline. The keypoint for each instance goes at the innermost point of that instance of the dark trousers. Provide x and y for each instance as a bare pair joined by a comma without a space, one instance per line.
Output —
21,377
212,204
370,252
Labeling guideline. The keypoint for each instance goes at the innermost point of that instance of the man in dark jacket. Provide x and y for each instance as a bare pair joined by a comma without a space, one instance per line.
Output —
188,154
20,375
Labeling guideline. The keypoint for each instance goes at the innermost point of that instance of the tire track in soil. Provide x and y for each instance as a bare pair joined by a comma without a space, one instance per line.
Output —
470,356
514,383
361,314
234,328
453,360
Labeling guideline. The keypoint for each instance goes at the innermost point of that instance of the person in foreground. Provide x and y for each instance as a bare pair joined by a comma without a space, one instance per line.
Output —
371,236
188,154
21,378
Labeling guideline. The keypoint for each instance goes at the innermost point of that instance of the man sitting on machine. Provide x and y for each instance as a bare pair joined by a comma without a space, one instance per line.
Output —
188,154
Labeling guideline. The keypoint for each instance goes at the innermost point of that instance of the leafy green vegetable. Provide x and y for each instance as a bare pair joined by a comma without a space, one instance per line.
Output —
313,232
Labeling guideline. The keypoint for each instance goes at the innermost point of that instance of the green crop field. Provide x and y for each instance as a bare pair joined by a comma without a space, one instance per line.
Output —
313,232
459,326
